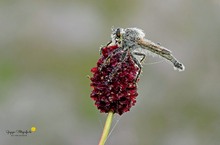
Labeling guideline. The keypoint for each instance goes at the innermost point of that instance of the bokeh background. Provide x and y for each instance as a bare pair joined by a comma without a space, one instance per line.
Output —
48,47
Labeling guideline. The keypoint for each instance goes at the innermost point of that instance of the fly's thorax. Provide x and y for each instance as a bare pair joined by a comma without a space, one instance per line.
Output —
131,36
126,37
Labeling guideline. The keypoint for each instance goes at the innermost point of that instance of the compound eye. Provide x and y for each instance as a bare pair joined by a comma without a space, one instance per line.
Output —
118,35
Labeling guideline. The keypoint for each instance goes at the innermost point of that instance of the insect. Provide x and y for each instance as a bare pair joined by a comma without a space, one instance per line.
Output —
131,41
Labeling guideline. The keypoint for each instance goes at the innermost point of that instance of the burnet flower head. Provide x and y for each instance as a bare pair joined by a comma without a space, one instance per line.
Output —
117,71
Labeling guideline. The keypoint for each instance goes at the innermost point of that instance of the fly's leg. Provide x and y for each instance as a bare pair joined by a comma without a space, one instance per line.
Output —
138,64
119,65
140,54
109,57
100,50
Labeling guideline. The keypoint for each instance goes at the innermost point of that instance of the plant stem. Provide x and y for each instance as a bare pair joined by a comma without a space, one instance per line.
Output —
106,128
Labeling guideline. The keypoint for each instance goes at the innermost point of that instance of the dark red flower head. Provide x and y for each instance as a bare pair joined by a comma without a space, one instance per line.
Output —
114,81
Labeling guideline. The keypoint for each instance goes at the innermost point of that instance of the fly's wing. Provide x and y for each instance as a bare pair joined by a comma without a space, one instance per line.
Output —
161,51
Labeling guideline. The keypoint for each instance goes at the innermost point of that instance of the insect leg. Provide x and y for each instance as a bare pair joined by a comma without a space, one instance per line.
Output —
100,50
110,55
140,54
138,64
119,65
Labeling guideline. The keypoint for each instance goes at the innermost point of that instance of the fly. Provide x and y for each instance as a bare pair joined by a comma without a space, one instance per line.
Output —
132,41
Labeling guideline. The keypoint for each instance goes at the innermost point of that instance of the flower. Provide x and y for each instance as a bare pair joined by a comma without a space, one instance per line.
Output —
114,81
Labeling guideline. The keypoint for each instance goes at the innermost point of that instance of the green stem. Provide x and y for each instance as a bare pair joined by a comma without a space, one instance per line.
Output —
106,128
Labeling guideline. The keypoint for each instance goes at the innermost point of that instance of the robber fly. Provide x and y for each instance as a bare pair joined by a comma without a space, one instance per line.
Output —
132,40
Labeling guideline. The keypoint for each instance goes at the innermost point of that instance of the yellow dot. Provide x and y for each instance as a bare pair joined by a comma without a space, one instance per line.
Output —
33,129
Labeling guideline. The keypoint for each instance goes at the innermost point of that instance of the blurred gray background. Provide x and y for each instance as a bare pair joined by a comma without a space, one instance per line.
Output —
48,47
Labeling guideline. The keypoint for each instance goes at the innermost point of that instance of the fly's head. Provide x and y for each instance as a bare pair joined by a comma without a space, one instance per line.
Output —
127,37
117,36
